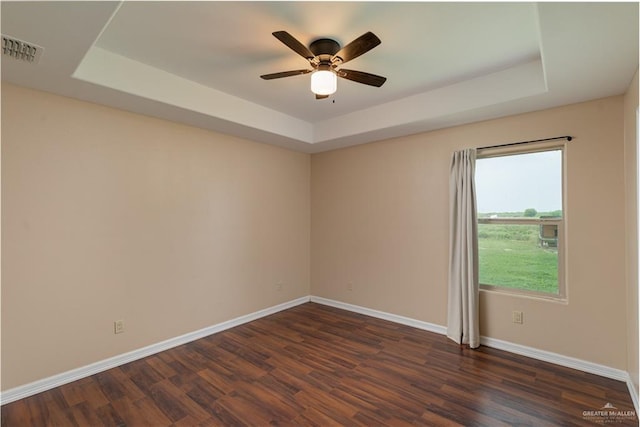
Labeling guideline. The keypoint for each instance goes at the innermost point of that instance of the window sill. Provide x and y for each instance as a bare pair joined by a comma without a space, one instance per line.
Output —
515,293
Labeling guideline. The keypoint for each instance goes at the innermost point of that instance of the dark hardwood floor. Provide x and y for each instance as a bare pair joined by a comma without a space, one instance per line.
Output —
320,366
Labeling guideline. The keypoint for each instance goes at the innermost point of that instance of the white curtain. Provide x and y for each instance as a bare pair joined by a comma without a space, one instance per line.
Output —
463,316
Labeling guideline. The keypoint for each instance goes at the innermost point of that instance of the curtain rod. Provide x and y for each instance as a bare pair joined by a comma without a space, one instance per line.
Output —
567,137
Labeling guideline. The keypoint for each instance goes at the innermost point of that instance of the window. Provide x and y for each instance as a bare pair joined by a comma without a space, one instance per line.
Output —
521,220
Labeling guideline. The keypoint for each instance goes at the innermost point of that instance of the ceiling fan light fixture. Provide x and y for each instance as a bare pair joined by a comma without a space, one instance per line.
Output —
324,82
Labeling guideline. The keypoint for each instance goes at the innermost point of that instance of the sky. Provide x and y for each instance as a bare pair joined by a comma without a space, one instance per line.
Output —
518,182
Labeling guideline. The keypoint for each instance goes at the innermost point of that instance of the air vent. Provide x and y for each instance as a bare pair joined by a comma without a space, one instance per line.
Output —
21,50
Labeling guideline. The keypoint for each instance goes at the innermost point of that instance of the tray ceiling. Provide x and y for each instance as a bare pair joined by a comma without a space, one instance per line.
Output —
446,63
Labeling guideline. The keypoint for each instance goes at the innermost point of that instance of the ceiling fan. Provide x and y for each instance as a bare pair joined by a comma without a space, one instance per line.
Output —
326,58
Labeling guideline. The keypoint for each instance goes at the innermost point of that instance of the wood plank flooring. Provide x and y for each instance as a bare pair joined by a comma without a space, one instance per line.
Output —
314,365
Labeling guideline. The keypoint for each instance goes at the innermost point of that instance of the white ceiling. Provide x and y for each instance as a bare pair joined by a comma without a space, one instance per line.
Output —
446,63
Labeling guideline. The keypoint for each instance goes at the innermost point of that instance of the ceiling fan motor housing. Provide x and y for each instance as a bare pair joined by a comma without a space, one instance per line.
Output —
324,47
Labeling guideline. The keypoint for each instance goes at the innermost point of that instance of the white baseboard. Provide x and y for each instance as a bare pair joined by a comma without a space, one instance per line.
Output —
633,392
546,356
556,359
419,324
566,361
39,386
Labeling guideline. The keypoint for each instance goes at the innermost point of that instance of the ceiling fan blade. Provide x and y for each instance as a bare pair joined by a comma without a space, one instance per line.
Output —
284,74
293,44
362,44
321,96
361,77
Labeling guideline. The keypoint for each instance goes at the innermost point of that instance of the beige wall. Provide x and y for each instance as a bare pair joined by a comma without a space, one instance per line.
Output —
631,190
380,222
110,215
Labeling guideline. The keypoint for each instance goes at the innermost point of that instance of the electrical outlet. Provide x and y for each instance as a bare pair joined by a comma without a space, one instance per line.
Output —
279,286
349,286
518,317
118,326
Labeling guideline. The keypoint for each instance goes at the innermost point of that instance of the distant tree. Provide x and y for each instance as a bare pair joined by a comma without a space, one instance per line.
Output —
530,212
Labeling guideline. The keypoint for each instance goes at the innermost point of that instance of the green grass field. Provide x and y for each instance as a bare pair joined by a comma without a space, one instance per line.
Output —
509,255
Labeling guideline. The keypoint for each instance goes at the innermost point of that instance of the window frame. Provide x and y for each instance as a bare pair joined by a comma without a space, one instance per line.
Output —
562,294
